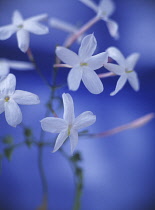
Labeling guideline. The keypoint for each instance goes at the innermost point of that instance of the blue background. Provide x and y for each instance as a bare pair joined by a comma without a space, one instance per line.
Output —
119,170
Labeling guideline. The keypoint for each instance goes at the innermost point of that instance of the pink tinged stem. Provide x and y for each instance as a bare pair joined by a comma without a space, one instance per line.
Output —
82,30
104,75
61,65
134,124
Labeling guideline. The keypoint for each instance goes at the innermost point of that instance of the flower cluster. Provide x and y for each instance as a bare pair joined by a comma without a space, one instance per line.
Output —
83,68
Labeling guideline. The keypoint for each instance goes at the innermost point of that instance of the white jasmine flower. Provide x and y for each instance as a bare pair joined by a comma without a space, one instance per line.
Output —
125,69
104,10
22,28
6,65
63,25
10,98
69,125
84,65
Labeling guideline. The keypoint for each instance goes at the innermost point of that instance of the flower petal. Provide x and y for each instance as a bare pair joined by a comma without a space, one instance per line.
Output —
92,81
67,56
73,139
88,46
53,125
20,65
4,69
13,113
23,40
97,61
68,108
7,85
133,80
41,17
120,83
74,78
1,106
113,28
7,31
106,8
84,120
17,18
115,54
119,70
25,98
59,24
131,60
90,4
60,140
35,27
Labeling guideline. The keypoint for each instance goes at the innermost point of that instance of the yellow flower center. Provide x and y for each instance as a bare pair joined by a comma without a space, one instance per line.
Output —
128,71
7,98
20,26
83,64
69,129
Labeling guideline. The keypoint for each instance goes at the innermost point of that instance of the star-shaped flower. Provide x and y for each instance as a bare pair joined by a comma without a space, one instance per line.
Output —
125,69
84,65
104,10
10,98
69,125
6,64
22,28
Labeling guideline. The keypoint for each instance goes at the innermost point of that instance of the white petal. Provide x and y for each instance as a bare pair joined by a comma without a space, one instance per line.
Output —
4,69
60,140
23,40
120,83
1,106
35,27
41,17
115,54
53,125
7,31
97,61
88,46
106,8
17,18
20,65
68,108
131,60
90,4
59,24
113,28
92,81
13,113
25,98
7,85
73,139
133,80
74,78
119,70
84,120
67,56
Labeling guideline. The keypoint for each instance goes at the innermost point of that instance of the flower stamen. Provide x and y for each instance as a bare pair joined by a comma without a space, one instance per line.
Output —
7,98
83,64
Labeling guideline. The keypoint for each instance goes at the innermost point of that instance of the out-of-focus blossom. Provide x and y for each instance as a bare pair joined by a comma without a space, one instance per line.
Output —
125,69
6,65
84,65
69,125
10,98
104,10
22,28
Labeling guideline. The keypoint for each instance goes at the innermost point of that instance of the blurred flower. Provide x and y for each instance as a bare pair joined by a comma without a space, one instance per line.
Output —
10,98
59,24
6,64
22,28
69,125
84,65
104,10
125,69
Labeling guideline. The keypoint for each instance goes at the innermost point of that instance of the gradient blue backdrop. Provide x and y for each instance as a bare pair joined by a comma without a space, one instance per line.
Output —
119,171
